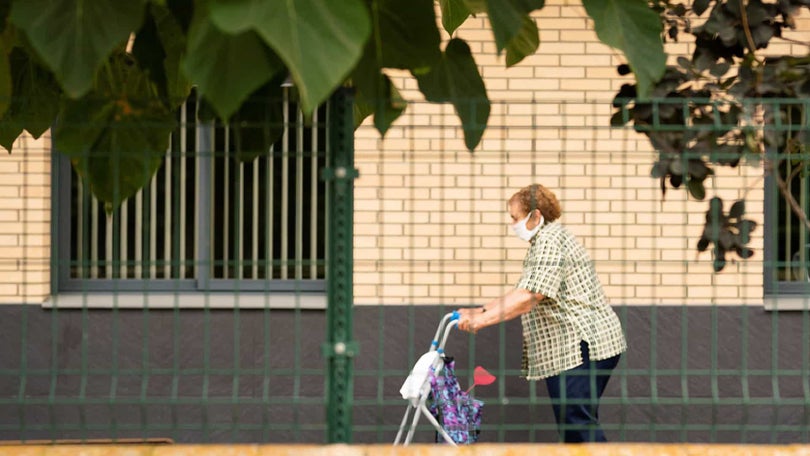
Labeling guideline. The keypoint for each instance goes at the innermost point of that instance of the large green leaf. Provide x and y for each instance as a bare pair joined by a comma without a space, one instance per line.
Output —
81,123
74,37
376,94
378,97
404,34
5,8
183,12
393,107
508,18
5,82
361,110
34,102
476,6
320,41
7,43
227,68
117,135
634,28
148,50
524,44
124,157
454,13
455,79
259,122
159,47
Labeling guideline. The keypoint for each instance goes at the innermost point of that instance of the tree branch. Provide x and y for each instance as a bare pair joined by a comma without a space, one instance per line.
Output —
747,28
794,205
794,41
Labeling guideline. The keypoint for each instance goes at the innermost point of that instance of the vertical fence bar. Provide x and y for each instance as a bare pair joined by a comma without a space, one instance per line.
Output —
313,195
124,240
167,214
786,216
802,247
254,251
226,210
340,348
204,175
181,253
269,198
108,246
138,234
153,234
299,196
94,239
239,222
285,176
80,210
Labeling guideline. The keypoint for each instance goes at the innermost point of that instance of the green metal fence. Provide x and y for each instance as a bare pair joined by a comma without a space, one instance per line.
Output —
313,343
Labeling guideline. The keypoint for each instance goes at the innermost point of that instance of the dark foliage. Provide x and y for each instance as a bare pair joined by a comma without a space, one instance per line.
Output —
722,106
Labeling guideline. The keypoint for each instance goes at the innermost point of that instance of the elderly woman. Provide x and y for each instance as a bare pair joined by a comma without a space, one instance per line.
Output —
572,338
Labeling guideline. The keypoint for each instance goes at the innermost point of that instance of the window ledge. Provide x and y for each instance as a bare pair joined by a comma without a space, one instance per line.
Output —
787,302
184,300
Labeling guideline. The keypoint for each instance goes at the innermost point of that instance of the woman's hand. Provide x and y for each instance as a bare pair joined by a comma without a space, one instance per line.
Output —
466,320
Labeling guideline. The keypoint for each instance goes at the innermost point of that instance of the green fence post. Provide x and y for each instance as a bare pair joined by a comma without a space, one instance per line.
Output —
340,346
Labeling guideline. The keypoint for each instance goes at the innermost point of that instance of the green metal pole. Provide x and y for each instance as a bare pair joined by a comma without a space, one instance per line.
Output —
340,347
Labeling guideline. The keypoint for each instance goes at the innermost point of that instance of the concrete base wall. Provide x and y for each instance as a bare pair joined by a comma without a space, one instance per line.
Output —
692,374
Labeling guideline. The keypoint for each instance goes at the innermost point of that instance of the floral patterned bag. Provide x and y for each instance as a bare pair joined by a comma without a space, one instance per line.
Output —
457,412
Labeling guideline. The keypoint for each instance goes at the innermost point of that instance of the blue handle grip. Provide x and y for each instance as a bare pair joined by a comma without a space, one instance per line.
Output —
455,316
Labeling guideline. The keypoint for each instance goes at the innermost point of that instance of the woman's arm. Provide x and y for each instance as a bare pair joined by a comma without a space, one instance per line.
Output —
513,304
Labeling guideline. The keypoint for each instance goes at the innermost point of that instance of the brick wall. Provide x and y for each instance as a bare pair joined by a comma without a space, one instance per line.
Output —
431,218
25,229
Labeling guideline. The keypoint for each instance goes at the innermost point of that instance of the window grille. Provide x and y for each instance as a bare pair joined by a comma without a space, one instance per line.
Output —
792,241
207,221
787,249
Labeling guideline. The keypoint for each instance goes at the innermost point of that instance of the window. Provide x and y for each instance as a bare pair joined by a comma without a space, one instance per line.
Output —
787,238
207,222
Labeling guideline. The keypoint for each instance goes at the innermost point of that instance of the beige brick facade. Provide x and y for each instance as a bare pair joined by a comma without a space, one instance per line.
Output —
430,225
430,220
25,222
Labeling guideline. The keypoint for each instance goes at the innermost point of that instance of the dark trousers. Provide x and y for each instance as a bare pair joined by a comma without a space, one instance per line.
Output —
575,397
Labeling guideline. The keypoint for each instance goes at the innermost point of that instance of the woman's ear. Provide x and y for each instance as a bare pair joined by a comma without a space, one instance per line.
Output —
538,216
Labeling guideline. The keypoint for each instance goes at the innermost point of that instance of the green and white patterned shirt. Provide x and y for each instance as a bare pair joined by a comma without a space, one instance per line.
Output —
574,309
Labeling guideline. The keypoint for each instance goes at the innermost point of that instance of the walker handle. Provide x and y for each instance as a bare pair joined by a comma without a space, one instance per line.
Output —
448,321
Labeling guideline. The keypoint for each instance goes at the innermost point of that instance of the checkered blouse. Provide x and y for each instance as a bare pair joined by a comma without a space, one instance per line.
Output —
574,308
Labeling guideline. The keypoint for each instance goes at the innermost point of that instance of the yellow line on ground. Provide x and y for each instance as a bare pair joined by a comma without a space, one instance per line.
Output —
610,449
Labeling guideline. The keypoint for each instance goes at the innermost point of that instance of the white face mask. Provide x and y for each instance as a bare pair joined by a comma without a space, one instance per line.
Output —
524,233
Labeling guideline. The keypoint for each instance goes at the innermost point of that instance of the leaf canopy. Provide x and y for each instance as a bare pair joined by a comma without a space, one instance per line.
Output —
235,50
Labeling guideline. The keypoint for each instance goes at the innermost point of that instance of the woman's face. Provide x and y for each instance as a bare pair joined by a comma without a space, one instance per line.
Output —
517,215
